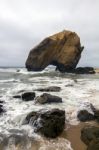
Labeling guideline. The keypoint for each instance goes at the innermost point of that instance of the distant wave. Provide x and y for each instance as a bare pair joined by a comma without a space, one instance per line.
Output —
9,80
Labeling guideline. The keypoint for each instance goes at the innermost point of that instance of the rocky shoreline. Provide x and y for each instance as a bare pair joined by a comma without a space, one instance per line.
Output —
52,123
62,50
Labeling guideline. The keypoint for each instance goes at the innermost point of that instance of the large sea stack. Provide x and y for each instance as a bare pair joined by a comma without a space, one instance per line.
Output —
62,50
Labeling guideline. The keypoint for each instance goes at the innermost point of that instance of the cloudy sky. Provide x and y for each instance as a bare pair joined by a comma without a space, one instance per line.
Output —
24,23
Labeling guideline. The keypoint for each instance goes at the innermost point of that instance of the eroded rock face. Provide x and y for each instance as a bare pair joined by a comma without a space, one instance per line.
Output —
62,50
50,123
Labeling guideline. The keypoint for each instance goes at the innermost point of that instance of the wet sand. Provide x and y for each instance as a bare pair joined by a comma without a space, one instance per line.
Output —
73,135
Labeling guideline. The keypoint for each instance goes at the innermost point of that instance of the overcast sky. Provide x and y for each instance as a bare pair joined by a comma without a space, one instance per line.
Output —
24,23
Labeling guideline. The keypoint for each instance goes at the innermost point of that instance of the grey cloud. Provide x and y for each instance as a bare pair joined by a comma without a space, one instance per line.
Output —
23,24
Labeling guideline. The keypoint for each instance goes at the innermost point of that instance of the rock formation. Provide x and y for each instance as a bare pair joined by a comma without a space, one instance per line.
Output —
62,50
90,136
49,123
48,98
84,115
27,96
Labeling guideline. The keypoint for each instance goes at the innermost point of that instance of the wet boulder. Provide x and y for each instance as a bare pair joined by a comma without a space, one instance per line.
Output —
48,123
49,89
48,98
27,96
1,109
62,50
84,115
89,134
84,70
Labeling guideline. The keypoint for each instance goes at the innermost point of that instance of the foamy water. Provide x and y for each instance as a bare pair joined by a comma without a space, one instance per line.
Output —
77,92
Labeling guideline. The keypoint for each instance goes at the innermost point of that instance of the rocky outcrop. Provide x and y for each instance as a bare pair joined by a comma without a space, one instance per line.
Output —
49,89
62,50
48,98
49,123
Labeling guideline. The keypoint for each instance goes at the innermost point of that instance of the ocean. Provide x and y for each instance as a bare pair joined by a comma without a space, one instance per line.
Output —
77,92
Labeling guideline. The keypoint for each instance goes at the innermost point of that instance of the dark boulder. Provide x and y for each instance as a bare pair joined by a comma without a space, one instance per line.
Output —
49,89
62,50
48,98
89,133
28,96
1,109
85,70
49,123
84,115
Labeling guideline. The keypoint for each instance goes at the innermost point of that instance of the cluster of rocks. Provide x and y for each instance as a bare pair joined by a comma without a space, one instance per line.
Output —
90,134
48,123
83,70
27,96
62,50
42,99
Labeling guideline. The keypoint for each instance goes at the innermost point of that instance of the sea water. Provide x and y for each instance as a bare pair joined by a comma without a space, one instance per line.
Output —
77,92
